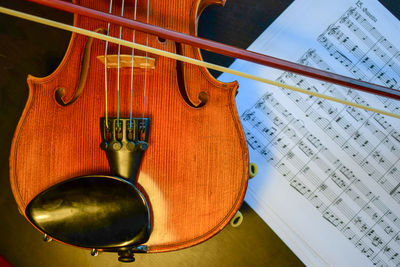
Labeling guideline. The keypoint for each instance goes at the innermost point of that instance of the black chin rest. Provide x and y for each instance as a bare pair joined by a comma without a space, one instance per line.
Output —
92,211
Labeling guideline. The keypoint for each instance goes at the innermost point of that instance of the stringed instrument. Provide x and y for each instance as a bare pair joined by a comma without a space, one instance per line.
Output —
126,151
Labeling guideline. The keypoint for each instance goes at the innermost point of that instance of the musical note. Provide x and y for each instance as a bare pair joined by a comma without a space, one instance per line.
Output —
355,113
389,230
377,261
253,141
349,233
379,135
300,187
388,46
382,121
396,135
338,181
376,240
392,106
339,56
284,170
291,133
332,218
305,149
367,251
316,202
281,145
315,141
267,154
391,254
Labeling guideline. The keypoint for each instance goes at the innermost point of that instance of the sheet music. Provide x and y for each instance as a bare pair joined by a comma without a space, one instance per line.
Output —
329,175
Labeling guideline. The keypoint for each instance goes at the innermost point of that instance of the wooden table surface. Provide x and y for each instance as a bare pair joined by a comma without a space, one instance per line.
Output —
28,48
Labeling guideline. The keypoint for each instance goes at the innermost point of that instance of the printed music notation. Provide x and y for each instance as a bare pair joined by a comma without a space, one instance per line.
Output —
341,160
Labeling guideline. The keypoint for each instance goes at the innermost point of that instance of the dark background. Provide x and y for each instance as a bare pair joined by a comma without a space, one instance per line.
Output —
30,48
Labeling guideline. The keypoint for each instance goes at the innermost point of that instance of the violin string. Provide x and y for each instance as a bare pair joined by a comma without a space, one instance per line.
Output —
186,59
132,61
105,68
145,67
118,65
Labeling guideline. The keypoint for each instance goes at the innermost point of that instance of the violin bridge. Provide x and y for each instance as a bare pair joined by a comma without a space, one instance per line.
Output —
125,61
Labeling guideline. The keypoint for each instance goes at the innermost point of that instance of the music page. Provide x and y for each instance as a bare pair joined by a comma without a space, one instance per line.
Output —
329,174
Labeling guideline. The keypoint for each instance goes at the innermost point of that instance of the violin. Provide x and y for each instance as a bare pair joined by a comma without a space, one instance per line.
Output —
125,151
173,158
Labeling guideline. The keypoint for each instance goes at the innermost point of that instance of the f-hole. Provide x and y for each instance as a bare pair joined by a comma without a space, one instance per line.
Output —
83,73
203,96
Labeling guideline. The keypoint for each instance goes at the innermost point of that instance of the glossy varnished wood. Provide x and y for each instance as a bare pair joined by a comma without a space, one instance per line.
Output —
194,173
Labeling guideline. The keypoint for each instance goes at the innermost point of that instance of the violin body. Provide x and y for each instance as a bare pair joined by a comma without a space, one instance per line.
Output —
194,172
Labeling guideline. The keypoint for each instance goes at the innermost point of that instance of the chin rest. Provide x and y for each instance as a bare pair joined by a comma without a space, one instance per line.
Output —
95,211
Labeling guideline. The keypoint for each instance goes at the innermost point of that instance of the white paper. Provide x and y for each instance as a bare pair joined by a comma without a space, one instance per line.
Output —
329,175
